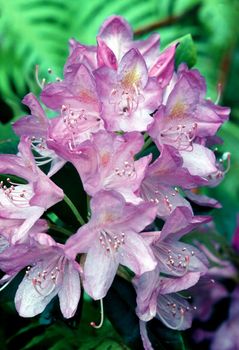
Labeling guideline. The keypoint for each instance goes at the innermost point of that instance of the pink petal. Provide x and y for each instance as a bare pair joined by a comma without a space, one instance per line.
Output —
146,288
35,124
181,221
81,241
173,285
116,33
99,270
29,302
69,294
149,48
205,164
144,336
132,70
164,67
132,252
105,55
202,199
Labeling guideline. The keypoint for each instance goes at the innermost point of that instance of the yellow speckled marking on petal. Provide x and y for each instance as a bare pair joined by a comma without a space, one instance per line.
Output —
130,78
178,110
108,217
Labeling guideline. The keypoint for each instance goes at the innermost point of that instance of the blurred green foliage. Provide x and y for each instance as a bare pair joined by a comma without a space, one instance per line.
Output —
37,32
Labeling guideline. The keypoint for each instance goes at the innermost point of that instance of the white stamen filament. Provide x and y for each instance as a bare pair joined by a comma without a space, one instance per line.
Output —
7,283
111,242
17,194
42,83
93,324
48,277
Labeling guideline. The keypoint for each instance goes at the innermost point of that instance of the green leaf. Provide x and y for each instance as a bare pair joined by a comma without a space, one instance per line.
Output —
60,337
120,304
74,190
181,6
8,139
164,338
186,51
220,19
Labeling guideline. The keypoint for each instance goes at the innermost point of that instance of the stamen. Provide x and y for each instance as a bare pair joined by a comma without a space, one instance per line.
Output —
219,93
42,83
128,170
181,135
111,242
93,324
175,263
45,281
17,194
168,204
45,155
227,157
7,283
125,100
174,311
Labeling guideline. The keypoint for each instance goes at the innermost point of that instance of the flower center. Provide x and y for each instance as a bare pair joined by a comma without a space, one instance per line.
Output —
179,136
173,261
78,120
126,99
175,312
111,241
17,194
127,169
45,155
45,278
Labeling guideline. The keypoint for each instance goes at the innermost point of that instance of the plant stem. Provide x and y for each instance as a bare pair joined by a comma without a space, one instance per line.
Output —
74,210
88,206
146,136
146,144
171,19
59,229
156,25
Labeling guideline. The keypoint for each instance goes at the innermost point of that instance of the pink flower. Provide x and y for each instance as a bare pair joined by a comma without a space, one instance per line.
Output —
181,265
128,95
77,100
111,238
207,167
106,162
186,113
10,227
115,39
176,258
161,177
26,202
49,272
36,127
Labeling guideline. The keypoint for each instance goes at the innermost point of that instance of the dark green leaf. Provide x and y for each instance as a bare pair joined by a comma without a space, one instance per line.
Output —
186,51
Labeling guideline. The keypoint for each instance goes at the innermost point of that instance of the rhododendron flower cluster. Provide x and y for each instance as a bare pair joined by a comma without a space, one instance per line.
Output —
138,131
